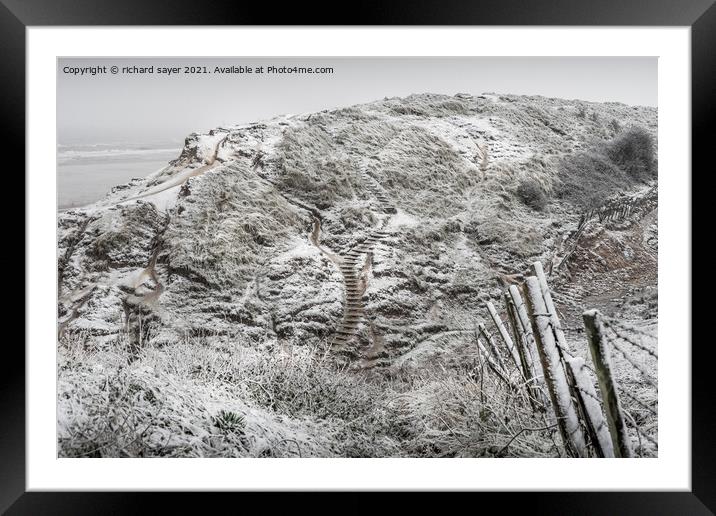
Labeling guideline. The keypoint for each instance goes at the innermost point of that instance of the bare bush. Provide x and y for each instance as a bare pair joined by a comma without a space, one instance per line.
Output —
588,178
354,217
530,193
633,151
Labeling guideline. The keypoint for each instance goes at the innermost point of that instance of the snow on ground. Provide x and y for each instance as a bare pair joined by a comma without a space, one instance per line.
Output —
240,272
401,219
298,248
164,200
207,145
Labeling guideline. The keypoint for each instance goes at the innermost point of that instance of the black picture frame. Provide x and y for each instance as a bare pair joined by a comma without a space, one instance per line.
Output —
700,15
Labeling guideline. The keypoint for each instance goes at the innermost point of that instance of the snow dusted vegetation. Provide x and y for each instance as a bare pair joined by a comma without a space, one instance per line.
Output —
311,285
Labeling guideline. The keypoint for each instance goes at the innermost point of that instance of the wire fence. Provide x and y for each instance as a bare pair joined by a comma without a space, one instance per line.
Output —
635,350
603,407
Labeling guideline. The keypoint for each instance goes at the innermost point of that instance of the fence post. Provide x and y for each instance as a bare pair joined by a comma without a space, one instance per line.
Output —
597,427
518,336
547,295
554,374
505,335
524,342
580,383
602,365
524,322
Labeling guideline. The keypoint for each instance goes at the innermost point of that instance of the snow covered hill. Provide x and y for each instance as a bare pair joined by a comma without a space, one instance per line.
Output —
371,235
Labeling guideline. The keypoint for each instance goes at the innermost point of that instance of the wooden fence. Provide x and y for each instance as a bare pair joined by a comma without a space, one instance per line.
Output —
589,416
615,209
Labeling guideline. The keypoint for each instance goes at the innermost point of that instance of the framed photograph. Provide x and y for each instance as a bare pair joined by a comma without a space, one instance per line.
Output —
446,248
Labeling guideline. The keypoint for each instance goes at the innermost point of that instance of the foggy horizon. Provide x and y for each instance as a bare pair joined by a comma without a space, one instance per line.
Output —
157,109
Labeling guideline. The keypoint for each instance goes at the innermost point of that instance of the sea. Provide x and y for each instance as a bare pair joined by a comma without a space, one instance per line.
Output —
87,172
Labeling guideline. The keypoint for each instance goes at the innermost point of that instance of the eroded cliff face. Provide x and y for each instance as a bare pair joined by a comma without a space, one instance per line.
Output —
388,223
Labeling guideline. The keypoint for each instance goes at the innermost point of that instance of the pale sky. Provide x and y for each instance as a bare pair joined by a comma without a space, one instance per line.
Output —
160,108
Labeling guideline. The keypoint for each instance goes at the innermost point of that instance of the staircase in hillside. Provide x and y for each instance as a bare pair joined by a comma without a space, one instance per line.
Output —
351,267
377,191
352,260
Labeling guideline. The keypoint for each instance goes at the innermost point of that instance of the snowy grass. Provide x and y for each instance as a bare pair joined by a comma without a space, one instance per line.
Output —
229,222
588,178
236,261
212,397
308,166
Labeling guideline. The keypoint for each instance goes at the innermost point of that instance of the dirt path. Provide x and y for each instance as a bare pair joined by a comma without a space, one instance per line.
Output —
315,239
211,163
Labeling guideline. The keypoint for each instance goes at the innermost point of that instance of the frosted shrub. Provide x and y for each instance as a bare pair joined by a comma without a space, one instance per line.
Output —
587,179
633,152
309,167
193,399
532,194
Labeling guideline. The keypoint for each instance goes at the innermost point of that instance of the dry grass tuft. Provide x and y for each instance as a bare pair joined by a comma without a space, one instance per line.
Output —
216,398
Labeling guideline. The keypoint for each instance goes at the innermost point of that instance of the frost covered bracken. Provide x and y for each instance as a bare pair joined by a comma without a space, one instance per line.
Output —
312,285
